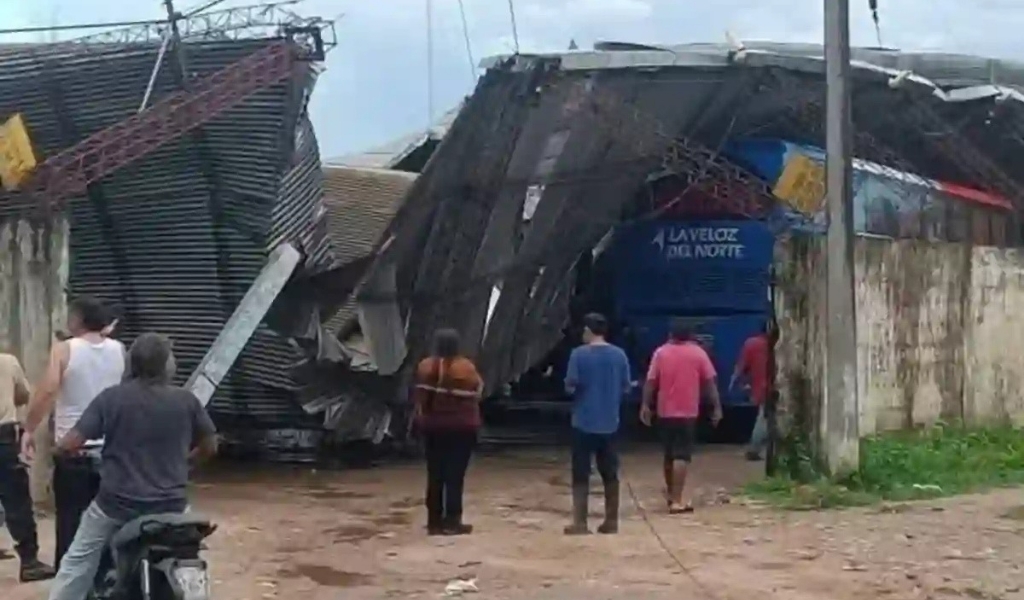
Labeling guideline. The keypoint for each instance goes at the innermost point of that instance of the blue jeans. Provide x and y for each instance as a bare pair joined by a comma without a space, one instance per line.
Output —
596,447
78,568
759,436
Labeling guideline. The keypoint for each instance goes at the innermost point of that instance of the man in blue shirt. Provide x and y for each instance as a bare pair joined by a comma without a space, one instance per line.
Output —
597,378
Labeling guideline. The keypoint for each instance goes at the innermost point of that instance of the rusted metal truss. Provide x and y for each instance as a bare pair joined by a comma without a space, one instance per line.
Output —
69,173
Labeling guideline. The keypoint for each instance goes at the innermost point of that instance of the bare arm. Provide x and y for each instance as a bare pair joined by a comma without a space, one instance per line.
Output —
71,443
735,375
710,389
126,373
651,384
650,391
741,365
41,403
206,448
204,433
22,393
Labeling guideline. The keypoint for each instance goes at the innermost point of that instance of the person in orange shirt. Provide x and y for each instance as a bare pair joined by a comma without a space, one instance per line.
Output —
446,398
752,365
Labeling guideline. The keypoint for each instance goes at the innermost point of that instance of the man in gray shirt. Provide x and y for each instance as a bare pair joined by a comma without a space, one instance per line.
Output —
150,430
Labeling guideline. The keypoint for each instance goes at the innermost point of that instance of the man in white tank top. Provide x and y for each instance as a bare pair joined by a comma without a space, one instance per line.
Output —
80,368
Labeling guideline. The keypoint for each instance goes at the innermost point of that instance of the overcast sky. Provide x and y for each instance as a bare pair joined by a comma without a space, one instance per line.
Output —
375,86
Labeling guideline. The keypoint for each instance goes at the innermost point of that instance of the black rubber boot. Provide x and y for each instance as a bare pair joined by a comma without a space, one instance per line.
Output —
435,522
433,530
455,526
580,499
34,570
435,525
611,509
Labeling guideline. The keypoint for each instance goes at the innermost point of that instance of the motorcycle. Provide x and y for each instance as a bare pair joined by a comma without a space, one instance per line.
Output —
157,557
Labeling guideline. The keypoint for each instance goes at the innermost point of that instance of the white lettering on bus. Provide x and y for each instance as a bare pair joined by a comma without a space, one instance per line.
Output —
700,242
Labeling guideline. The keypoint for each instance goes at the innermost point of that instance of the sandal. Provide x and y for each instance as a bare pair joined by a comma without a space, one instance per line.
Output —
685,509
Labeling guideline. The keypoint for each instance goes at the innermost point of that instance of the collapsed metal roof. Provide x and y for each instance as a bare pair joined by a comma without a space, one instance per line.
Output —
175,239
581,133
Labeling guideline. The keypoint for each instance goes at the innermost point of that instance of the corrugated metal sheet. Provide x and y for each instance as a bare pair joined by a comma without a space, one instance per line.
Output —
176,238
360,204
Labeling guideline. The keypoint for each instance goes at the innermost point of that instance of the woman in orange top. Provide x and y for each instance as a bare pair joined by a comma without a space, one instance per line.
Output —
447,403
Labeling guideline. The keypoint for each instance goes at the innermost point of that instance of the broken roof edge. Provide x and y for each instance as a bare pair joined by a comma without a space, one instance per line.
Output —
384,172
392,153
807,58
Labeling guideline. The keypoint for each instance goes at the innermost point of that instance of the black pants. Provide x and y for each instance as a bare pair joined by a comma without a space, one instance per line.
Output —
15,495
76,481
596,447
448,457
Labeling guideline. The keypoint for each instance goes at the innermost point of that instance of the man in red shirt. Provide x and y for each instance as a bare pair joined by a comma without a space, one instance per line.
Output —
679,373
753,366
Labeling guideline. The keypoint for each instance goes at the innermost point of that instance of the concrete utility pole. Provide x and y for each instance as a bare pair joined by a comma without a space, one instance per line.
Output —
841,434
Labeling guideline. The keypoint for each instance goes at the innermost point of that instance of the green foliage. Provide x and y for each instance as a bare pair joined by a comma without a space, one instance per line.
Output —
939,461
796,458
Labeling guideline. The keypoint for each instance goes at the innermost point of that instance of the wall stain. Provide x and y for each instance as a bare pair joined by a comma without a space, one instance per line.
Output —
950,375
946,324
909,282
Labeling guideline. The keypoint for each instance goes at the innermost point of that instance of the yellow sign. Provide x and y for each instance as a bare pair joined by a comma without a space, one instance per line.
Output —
802,184
17,160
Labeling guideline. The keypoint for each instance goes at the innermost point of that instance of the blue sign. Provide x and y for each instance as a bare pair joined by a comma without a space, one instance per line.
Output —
699,242
692,267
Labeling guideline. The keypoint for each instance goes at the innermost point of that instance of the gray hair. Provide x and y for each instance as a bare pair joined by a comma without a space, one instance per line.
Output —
151,359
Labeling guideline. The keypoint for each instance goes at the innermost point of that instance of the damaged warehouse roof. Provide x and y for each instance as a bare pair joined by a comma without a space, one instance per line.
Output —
581,134
175,238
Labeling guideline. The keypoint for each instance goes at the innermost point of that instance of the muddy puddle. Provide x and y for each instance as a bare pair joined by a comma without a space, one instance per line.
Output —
326,576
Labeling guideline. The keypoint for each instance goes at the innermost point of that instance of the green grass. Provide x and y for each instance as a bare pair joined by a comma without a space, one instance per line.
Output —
939,461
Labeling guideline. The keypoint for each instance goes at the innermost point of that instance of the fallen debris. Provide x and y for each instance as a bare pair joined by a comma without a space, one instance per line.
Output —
458,587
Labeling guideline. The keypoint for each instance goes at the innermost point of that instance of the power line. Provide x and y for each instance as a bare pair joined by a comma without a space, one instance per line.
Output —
873,7
201,9
469,46
515,28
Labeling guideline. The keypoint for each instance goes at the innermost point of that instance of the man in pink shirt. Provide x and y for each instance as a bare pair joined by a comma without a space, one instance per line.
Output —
680,372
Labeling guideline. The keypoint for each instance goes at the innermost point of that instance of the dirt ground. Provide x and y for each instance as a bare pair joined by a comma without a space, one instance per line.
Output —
298,533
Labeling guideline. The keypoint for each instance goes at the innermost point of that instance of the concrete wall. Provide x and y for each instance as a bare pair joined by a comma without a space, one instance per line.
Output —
33,276
940,332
